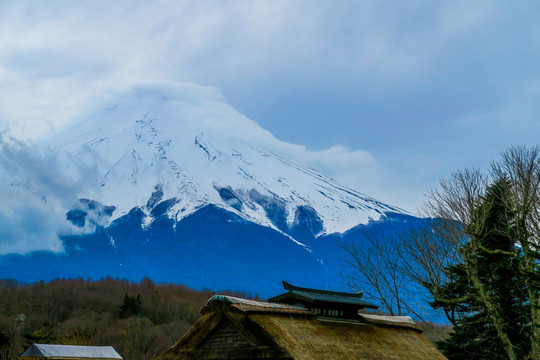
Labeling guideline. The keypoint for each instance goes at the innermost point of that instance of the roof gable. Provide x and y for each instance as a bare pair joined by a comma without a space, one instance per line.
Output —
225,332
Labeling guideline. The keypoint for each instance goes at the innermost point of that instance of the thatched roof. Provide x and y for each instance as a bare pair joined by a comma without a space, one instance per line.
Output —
48,351
232,328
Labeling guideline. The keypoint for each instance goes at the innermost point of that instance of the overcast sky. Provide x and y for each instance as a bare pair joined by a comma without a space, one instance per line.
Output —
422,87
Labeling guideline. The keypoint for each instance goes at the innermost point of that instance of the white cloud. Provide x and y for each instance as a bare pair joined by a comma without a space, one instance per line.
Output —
355,168
38,187
57,55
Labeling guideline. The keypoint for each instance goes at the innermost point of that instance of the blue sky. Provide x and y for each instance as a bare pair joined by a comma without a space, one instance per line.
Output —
423,87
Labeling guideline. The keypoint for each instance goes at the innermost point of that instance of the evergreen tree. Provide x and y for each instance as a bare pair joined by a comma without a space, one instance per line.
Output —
486,293
130,307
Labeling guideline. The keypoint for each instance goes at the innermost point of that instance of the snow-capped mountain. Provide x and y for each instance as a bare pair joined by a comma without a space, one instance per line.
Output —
185,189
159,144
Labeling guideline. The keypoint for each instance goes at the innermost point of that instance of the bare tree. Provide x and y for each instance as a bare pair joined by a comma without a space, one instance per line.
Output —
376,265
424,255
455,200
390,265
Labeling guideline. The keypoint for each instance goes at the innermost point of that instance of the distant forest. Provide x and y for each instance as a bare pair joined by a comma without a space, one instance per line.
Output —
140,320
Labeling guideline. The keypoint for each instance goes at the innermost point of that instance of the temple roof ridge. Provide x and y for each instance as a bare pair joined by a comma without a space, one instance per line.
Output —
309,296
291,287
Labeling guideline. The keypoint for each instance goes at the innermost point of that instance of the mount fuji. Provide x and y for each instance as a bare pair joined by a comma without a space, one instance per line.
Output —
182,188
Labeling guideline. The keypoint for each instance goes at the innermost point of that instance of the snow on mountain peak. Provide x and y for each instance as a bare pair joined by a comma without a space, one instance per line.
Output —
183,143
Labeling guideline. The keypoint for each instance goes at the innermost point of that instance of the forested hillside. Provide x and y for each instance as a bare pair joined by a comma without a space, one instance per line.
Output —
140,320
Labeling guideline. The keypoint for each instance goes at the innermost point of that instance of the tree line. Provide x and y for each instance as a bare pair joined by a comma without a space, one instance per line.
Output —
140,320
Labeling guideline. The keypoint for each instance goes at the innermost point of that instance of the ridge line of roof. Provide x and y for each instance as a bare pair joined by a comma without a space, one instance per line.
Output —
70,345
291,287
252,305
70,351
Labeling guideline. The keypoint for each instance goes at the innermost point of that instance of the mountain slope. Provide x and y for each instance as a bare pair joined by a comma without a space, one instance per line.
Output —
185,189
156,143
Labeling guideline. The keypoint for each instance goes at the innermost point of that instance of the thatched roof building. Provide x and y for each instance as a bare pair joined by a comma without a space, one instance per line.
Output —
69,352
233,328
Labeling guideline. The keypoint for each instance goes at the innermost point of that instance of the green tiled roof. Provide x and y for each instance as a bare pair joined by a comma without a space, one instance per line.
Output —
312,295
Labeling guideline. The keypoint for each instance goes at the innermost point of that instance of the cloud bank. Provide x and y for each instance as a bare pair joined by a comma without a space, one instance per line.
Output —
38,186
57,56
